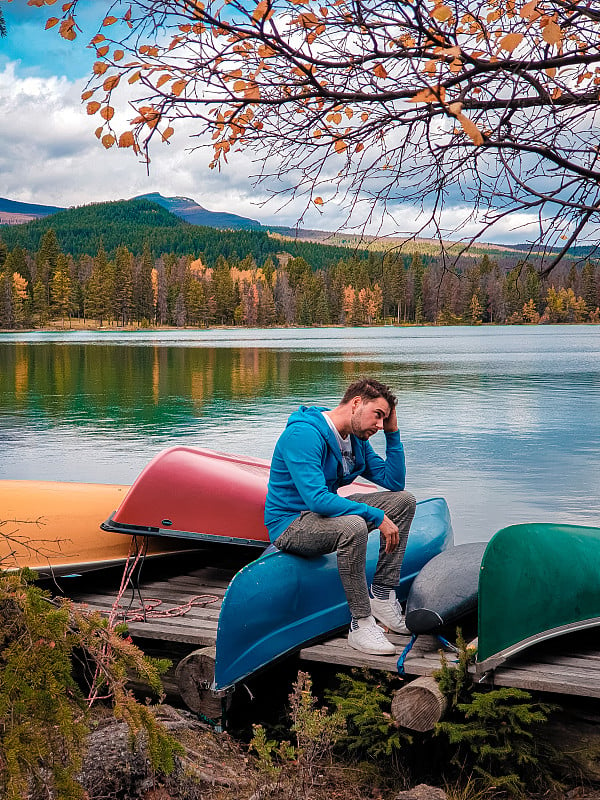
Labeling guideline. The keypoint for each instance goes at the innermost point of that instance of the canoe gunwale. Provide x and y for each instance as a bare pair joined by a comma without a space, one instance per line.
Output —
110,526
499,658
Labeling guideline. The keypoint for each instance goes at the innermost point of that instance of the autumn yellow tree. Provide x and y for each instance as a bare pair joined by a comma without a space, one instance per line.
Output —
488,103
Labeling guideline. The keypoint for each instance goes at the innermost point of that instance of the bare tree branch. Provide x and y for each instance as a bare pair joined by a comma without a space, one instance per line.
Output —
493,103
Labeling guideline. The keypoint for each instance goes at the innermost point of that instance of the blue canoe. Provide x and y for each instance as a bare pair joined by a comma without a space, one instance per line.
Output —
281,602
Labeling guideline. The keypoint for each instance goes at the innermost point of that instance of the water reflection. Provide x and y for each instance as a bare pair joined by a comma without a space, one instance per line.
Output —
504,423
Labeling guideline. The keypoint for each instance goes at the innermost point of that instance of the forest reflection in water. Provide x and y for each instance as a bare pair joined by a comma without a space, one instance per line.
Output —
506,427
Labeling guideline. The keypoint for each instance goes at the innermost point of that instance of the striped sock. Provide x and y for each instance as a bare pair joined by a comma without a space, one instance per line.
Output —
380,592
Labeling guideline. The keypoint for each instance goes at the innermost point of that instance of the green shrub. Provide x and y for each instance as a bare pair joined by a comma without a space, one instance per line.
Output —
44,711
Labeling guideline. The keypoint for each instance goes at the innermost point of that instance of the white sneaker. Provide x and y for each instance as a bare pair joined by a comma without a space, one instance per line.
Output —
389,612
368,637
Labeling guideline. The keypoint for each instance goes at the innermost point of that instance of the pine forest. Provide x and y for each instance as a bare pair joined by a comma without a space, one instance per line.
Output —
132,263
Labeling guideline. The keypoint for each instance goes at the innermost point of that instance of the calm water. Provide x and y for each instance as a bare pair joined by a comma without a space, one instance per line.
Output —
502,422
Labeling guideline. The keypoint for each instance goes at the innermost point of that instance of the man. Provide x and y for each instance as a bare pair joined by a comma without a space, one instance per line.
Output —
319,451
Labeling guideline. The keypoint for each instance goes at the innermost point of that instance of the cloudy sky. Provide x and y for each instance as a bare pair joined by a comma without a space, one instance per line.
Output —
49,154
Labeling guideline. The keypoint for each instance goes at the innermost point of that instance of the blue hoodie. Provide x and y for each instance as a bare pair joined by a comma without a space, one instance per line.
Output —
307,471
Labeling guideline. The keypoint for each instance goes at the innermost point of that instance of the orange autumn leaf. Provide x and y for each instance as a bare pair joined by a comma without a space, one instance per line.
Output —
99,68
87,95
162,80
430,95
380,71
264,51
178,87
111,82
261,12
510,41
98,132
52,21
98,38
108,21
552,33
470,129
318,201
126,139
529,11
118,55
102,51
107,113
167,133
442,13
92,107
67,29
108,140
340,146
135,77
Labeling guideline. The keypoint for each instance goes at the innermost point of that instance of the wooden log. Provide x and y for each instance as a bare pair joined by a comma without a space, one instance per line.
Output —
419,704
195,675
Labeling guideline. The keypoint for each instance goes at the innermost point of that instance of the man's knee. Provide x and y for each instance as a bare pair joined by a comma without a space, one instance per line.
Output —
354,534
402,504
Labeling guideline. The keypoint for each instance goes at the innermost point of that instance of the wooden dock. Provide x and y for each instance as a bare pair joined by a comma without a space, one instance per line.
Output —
569,665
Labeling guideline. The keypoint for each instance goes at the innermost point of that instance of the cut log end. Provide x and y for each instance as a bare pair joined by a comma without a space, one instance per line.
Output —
419,705
195,675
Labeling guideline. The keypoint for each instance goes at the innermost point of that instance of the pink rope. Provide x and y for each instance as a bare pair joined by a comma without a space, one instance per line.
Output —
139,613
148,609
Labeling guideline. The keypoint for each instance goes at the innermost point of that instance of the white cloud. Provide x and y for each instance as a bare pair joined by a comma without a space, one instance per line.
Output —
49,155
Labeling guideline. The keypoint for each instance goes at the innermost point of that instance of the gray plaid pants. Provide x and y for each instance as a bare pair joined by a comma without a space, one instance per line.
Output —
314,535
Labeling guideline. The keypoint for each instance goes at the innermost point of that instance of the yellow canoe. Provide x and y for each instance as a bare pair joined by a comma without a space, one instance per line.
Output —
54,527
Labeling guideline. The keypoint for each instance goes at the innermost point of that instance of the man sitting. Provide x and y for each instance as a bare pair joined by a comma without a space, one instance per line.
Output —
319,451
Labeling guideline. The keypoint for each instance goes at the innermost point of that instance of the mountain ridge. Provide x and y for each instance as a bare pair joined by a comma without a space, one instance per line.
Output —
13,212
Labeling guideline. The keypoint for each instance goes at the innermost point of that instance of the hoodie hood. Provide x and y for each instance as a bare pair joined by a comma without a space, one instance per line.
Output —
313,415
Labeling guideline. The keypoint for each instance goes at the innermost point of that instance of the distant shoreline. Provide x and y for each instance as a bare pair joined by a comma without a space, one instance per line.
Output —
162,328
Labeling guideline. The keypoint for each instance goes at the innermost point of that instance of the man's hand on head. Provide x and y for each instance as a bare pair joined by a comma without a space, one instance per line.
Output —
390,423
389,531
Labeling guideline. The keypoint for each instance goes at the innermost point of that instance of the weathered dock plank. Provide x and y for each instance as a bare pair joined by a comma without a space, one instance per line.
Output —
569,665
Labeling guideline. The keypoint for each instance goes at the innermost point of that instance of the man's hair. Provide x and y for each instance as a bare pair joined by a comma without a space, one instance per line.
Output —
369,389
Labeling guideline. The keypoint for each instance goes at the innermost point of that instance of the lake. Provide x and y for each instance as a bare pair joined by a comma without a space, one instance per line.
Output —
504,422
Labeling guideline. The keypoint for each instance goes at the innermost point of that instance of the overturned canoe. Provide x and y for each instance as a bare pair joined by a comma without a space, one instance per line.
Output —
281,601
53,527
537,581
445,590
201,495
191,493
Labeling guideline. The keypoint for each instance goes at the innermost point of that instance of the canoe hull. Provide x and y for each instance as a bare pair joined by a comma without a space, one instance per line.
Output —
445,590
61,521
281,601
537,581
201,495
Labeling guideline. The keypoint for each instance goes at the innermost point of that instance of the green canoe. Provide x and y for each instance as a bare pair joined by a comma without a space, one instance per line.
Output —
536,581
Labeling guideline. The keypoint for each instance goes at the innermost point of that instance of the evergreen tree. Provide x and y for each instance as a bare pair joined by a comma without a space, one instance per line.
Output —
7,317
266,305
143,293
417,270
46,259
123,294
227,294
41,307
590,286
162,310
60,293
